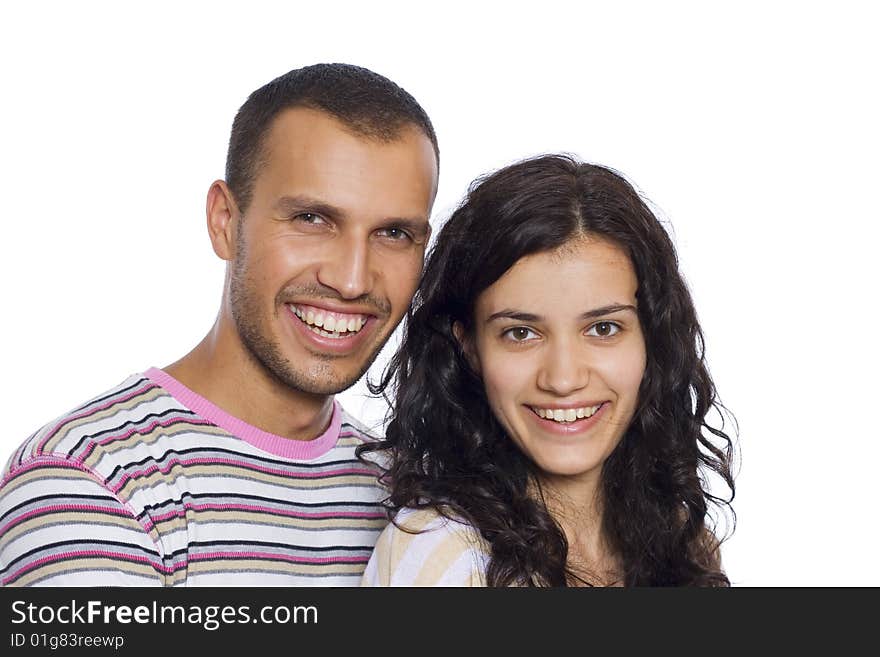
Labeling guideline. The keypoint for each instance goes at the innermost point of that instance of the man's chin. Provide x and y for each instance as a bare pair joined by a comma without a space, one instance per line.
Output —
326,389
316,374
322,379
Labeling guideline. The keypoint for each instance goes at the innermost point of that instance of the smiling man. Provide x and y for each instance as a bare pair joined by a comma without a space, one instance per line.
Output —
235,465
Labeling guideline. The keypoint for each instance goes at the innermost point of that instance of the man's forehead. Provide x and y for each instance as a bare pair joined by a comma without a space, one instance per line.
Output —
310,154
306,126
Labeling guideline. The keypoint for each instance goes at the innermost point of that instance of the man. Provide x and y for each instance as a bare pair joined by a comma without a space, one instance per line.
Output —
234,465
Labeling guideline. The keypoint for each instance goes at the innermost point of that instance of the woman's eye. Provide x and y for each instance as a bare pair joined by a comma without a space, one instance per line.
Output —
604,329
520,334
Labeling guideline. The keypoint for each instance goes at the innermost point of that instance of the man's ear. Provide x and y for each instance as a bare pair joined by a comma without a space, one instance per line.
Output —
466,343
222,214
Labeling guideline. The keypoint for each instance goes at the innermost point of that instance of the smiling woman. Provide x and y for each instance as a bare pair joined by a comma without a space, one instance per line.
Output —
558,345
550,397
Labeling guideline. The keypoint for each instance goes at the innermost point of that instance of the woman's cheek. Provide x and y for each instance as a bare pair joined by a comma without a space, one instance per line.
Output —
505,376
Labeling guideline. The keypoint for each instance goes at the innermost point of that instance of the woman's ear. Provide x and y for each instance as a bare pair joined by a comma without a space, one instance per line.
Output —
466,342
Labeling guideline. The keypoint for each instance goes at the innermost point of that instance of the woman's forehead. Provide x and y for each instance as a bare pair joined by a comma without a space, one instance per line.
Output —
587,272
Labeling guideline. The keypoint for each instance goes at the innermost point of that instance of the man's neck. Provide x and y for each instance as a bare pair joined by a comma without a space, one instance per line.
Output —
222,371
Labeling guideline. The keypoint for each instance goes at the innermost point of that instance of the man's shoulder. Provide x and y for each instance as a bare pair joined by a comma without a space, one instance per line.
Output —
121,412
355,430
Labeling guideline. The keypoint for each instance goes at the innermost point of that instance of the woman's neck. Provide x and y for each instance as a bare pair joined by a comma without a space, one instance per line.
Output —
578,508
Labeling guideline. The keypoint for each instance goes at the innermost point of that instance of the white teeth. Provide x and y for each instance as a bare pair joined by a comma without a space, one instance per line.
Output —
315,329
332,326
566,414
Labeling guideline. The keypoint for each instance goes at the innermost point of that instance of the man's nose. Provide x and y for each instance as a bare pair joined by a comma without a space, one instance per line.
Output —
347,267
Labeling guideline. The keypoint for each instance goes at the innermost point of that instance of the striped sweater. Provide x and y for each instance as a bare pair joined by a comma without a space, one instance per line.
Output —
423,548
152,485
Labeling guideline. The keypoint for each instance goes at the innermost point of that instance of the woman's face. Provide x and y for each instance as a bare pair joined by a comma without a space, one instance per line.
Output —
558,344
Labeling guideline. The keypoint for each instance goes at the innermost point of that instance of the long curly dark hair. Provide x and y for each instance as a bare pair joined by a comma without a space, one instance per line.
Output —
446,449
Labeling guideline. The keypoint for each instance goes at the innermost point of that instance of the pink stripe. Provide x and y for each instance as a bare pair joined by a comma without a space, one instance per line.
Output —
91,411
60,507
187,419
264,509
207,556
241,464
263,440
166,569
83,554
142,431
41,462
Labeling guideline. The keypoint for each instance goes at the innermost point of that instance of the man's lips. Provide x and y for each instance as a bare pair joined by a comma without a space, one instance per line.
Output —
340,341
330,320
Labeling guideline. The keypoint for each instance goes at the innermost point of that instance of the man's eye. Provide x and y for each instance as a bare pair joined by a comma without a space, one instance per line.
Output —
395,234
309,218
519,334
604,329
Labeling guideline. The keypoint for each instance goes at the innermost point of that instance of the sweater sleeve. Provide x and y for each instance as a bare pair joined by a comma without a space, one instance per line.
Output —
426,549
60,526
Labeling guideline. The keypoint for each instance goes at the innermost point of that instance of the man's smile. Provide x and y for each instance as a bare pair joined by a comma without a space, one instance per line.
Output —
329,323
331,331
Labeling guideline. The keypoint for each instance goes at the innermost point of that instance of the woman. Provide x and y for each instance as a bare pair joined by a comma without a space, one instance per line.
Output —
550,397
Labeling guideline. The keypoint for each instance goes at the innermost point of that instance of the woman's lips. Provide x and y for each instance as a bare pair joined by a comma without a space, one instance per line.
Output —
565,426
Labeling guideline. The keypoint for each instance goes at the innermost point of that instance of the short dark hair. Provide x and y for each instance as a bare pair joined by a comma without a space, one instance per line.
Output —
365,102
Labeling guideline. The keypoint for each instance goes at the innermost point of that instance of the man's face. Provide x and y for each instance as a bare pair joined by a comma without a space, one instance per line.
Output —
329,251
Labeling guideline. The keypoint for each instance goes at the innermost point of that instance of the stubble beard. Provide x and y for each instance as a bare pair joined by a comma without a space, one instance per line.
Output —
320,378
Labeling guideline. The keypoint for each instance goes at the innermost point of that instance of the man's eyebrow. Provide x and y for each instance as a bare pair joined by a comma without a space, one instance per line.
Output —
302,203
519,316
288,205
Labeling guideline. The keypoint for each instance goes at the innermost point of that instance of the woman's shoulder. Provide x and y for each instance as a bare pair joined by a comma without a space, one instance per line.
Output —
423,547
431,519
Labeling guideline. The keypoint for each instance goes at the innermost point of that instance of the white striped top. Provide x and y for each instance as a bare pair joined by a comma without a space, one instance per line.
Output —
424,548
152,485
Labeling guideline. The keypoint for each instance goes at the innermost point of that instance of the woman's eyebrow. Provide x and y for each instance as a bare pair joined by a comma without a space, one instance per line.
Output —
520,316
607,310
514,314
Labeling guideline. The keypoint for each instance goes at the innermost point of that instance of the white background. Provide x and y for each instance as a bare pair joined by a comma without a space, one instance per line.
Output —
754,130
